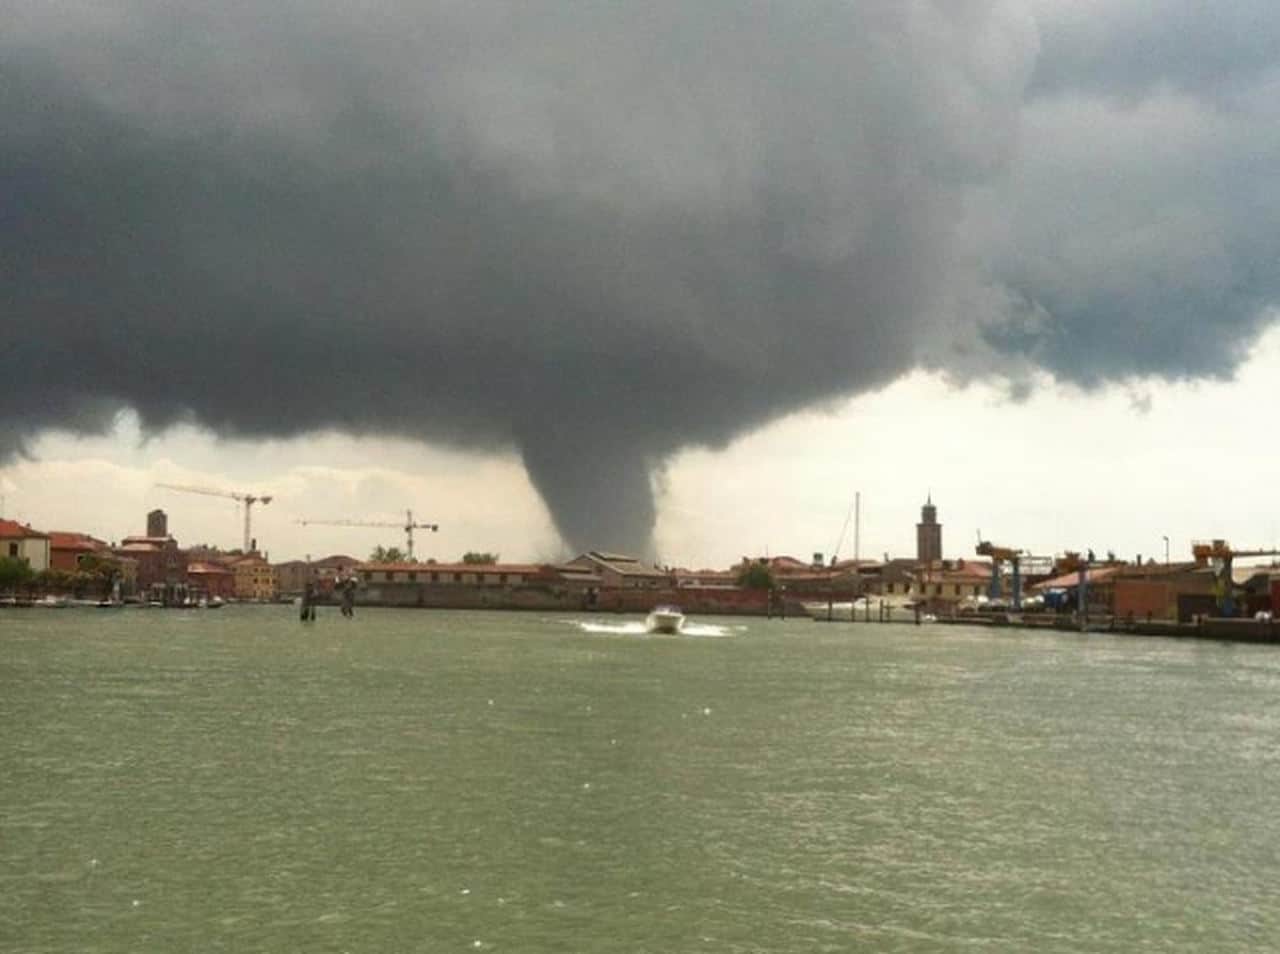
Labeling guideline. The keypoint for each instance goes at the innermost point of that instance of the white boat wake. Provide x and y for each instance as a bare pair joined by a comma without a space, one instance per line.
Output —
637,628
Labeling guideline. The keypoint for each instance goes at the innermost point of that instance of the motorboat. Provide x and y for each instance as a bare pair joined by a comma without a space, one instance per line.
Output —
664,619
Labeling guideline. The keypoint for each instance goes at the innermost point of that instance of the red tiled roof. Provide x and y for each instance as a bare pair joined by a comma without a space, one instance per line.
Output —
624,565
208,568
1096,574
525,568
970,571
74,540
11,529
154,543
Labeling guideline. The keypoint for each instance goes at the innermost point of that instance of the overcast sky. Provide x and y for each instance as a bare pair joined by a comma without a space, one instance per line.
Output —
673,278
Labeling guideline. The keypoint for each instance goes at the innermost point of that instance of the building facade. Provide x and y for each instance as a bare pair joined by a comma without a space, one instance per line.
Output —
211,579
451,574
18,541
67,547
255,579
161,565
617,571
292,576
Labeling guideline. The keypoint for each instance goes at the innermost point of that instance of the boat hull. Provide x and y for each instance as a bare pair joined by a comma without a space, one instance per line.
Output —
661,621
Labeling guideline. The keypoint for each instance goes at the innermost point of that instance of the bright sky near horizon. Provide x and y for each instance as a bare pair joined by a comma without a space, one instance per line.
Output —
1115,469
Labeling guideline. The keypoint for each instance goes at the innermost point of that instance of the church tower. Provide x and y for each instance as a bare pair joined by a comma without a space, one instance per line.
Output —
928,534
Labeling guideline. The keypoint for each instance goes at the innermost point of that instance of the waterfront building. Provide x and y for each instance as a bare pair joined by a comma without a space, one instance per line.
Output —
255,578
928,534
943,586
67,547
618,571
705,579
292,576
1100,590
211,579
451,574
21,542
465,586
161,565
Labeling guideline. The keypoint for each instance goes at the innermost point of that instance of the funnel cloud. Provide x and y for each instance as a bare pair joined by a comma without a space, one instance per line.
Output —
597,233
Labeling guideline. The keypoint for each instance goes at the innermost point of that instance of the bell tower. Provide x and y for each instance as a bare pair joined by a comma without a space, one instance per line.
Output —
928,534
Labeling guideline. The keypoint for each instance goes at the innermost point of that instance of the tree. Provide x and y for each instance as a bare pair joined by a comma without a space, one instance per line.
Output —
756,576
98,572
54,581
383,554
479,559
14,573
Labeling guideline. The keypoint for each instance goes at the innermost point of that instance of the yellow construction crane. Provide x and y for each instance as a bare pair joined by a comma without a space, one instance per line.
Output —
1219,555
245,498
998,556
408,526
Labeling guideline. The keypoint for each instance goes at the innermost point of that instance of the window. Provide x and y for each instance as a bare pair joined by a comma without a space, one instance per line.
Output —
390,575
502,577
435,577
956,589
457,577
368,576
890,588
937,589
13,549
413,576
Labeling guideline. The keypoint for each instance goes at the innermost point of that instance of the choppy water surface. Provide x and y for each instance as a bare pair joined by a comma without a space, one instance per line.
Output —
414,781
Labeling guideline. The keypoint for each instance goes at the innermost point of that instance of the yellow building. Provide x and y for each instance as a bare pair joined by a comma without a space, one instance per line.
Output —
256,579
19,542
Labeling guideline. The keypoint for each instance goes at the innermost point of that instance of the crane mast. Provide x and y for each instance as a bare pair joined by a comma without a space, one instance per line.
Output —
247,499
408,526
1219,555
1000,555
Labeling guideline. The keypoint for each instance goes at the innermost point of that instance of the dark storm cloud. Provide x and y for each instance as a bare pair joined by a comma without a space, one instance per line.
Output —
596,232
1127,48
1135,235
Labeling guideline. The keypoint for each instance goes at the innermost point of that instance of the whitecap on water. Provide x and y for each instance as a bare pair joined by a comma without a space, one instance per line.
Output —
638,628
613,629
707,629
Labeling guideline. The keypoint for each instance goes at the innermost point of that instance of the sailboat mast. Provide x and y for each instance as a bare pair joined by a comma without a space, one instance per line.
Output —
857,527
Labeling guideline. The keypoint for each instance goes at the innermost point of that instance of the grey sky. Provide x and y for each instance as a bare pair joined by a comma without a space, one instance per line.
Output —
601,232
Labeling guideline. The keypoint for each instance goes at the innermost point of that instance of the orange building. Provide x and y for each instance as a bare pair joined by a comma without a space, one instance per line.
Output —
212,579
66,547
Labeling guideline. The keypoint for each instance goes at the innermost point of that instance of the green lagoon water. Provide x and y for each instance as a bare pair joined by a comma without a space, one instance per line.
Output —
418,781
